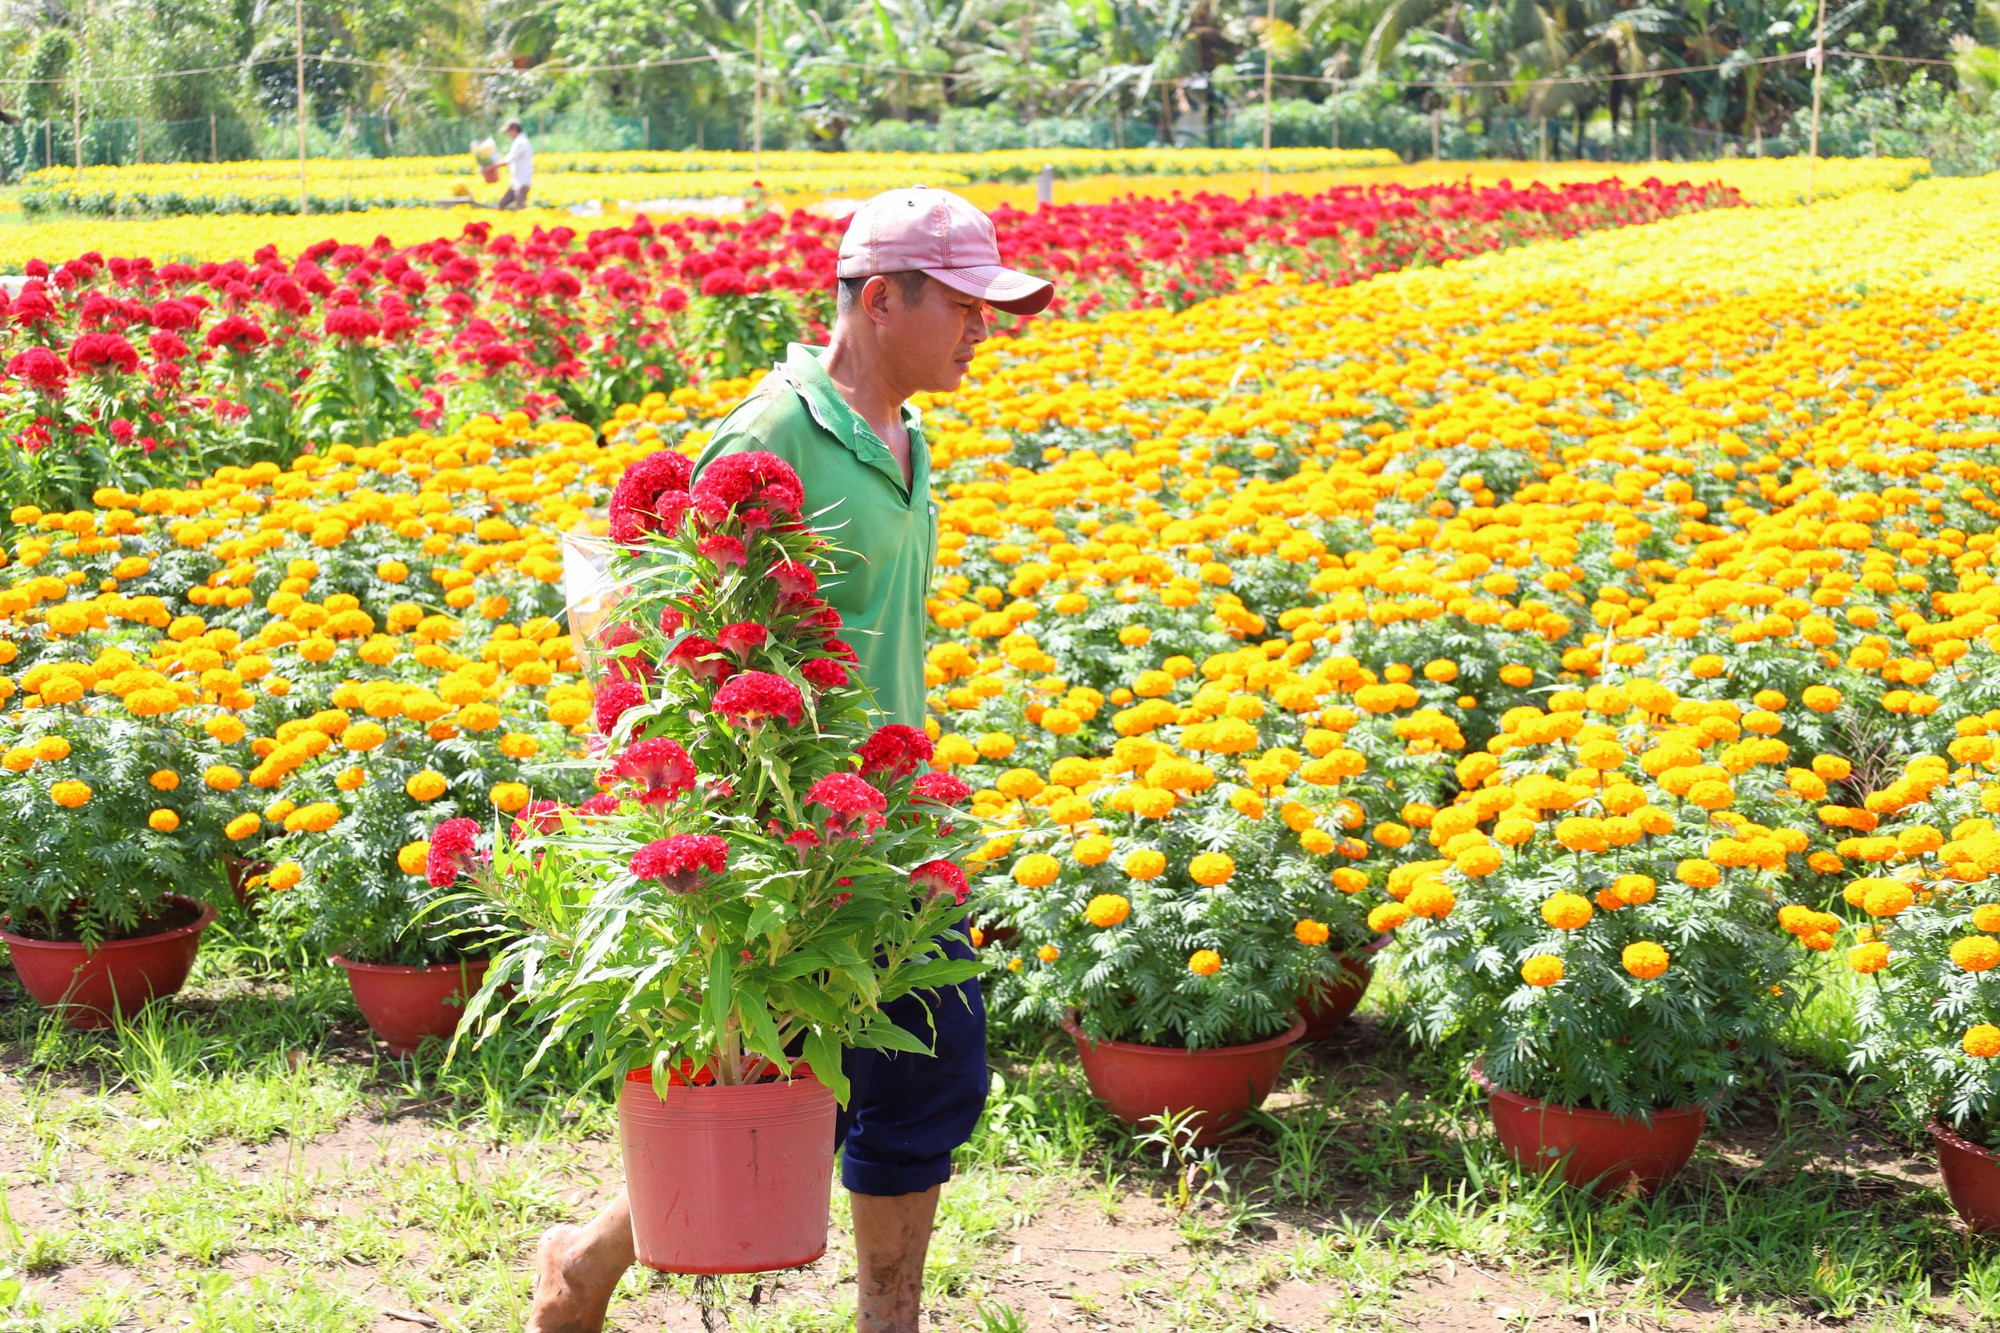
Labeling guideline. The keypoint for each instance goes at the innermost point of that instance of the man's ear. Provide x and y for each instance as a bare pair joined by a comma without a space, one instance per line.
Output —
875,297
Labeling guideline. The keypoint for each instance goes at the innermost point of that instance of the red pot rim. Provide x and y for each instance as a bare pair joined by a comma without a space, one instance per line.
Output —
1285,1038
408,969
801,1073
1492,1089
1944,1133
201,922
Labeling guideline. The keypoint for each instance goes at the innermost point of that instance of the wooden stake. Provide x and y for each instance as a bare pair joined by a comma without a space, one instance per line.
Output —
1270,47
299,19
1819,79
757,94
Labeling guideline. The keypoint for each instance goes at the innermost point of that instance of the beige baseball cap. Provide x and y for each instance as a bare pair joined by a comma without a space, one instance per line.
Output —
937,233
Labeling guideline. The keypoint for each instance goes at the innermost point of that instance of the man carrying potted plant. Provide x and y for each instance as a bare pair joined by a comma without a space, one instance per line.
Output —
917,270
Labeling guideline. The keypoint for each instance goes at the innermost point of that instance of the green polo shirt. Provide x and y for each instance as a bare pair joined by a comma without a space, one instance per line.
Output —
885,532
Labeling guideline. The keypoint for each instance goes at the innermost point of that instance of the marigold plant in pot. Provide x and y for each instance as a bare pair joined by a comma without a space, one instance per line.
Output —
101,850
357,878
762,870
1174,902
1605,915
1929,1019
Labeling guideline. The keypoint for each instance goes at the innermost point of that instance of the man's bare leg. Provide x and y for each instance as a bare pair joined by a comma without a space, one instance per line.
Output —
577,1269
892,1234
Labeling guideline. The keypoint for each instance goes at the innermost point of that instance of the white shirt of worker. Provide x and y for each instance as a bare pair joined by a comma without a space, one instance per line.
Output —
521,161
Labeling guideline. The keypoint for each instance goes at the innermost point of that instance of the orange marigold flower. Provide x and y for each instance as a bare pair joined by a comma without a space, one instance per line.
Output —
1644,959
1976,953
1867,958
1036,870
1388,917
1567,911
70,795
1204,962
1107,910
1312,933
1542,970
1698,873
163,820
1981,1041
1211,868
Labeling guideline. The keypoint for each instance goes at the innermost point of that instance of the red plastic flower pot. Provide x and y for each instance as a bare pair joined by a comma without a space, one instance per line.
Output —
91,987
1971,1178
1327,1006
727,1179
1597,1150
239,873
404,1005
1220,1084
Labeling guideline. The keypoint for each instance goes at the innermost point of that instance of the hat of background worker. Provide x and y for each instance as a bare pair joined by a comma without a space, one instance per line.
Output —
938,234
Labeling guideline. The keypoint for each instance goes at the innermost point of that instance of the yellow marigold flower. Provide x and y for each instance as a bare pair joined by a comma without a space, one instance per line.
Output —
1567,911
1867,958
1211,868
1542,969
1349,880
509,796
1636,890
1107,910
1036,870
1478,862
1388,917
1145,863
1061,722
351,778
1986,916
1820,698
1204,962
1019,783
1887,898
18,759
1976,953
163,820
1981,1041
241,827
413,857
1644,959
1092,850
221,777
285,875
1431,900
364,736
425,786
1394,836
1312,933
1048,953
50,749
165,779
70,795
1698,873
1831,768
317,817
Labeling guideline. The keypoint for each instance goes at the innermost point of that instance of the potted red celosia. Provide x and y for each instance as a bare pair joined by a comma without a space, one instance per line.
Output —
762,870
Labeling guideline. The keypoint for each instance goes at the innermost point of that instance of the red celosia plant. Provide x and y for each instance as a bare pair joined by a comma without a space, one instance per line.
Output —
763,868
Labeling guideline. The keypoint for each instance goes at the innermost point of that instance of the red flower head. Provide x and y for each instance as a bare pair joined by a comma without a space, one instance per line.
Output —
939,789
236,334
683,862
41,368
700,658
895,750
725,282
604,803
734,481
823,673
725,552
661,766
849,798
103,351
613,698
538,817
934,878
451,853
651,497
352,323
742,638
633,665
795,581
754,696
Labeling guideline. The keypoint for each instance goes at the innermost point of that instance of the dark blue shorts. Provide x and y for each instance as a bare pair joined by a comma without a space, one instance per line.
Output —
906,1112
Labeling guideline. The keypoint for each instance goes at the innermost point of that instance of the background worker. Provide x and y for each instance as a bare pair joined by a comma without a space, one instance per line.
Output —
520,160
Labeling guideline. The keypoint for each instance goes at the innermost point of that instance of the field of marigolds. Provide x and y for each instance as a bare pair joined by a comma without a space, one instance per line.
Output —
1514,667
